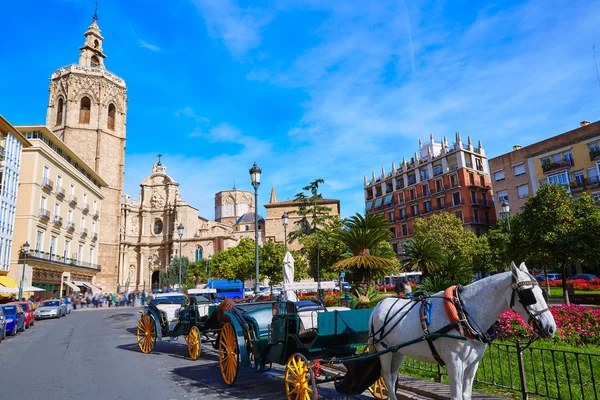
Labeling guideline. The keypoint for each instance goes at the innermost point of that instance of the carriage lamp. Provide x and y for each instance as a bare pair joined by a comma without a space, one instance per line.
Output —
284,221
255,178
25,253
180,231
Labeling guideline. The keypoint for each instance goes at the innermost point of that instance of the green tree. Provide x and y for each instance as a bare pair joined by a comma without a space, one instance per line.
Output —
169,277
557,230
447,230
493,251
197,273
361,235
236,262
423,254
271,263
325,245
312,214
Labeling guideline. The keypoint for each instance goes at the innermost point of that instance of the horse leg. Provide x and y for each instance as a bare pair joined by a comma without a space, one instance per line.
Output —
468,378
455,376
386,373
397,360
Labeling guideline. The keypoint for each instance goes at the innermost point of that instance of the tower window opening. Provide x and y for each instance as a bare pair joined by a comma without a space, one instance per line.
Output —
84,110
59,111
96,43
111,116
95,61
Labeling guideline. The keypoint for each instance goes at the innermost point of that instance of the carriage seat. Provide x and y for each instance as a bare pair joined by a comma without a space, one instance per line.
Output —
171,311
309,319
202,310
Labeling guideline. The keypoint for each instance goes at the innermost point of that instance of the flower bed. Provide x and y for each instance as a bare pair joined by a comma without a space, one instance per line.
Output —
576,325
578,284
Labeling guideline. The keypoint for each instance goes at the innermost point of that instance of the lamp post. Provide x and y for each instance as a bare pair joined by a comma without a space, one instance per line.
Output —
25,254
209,265
149,270
255,177
180,231
506,212
284,221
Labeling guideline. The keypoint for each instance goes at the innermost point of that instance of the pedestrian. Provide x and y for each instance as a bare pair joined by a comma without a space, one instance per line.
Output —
143,298
399,287
407,289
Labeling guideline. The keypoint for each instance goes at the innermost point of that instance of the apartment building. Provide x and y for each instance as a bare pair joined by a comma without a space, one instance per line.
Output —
58,213
571,159
12,143
438,178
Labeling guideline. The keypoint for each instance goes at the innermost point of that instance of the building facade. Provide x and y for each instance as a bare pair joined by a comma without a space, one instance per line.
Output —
571,159
59,213
11,147
87,109
230,205
438,178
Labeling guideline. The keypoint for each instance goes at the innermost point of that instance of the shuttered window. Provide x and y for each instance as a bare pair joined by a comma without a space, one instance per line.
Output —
84,111
519,169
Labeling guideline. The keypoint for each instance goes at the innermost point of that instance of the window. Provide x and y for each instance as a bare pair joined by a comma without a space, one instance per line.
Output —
560,179
499,176
556,158
404,230
519,169
437,169
94,62
69,216
459,215
59,181
487,217
578,177
52,245
393,230
403,213
82,223
424,174
67,249
593,174
596,196
413,194
568,157
502,195
84,110
72,190
43,203
401,198
39,240
471,179
425,190
95,206
198,253
427,206
111,116
412,179
476,216
79,253
91,256
395,247
399,183
439,186
56,209
482,181
59,111
456,198
93,228
478,164
46,172
473,197
415,210
484,199
593,147
453,181
441,203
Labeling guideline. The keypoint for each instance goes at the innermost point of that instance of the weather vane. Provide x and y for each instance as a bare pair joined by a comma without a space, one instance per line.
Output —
159,156
96,12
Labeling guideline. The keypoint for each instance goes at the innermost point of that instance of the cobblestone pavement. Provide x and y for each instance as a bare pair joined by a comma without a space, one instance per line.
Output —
93,354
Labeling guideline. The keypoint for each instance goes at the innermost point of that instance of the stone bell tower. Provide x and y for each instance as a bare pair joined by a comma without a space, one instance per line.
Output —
87,109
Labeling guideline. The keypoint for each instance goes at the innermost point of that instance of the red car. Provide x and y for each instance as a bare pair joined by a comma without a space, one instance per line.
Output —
29,312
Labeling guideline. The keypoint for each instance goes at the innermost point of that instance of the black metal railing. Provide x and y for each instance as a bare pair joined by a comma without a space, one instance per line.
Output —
550,373
96,214
84,232
37,255
60,192
70,226
73,200
44,214
85,207
48,184
58,220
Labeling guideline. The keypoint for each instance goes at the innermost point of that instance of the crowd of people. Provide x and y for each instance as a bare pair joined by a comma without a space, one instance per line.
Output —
88,300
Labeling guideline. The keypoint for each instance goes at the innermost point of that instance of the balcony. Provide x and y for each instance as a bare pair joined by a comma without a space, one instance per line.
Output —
553,166
585,183
84,232
85,207
94,237
58,221
96,214
73,200
70,227
55,259
44,215
47,184
60,192
595,154
2,153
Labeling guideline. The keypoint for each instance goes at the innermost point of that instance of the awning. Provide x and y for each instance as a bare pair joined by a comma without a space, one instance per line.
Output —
94,289
378,202
72,286
8,282
388,199
28,288
369,205
8,290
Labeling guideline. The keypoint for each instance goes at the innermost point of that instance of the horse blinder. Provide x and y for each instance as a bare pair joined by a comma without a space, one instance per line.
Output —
526,297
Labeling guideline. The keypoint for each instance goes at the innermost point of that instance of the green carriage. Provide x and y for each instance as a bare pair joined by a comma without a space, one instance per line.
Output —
311,340
171,315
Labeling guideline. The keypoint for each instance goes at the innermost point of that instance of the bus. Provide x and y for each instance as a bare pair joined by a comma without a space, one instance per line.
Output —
233,289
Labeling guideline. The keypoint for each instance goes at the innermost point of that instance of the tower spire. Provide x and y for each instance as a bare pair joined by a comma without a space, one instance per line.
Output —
273,198
95,17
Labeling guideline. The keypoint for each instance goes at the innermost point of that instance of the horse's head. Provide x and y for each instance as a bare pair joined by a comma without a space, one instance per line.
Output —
527,299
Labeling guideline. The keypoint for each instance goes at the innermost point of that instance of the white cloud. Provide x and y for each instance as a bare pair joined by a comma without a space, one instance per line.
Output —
149,46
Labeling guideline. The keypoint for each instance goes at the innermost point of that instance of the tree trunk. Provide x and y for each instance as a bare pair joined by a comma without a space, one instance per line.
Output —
545,267
565,287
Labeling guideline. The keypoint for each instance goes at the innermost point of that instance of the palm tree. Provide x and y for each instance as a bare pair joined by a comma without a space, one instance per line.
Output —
362,234
423,255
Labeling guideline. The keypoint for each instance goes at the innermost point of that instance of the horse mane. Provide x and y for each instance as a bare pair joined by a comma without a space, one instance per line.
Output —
477,286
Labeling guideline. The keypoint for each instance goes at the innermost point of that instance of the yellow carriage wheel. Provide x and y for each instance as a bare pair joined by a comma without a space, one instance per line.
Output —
146,333
229,354
379,388
300,379
193,342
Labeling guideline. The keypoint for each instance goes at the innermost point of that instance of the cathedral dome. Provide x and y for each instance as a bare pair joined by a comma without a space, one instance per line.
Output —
249,218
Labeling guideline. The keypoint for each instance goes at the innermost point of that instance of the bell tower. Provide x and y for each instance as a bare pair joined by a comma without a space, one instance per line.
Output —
87,109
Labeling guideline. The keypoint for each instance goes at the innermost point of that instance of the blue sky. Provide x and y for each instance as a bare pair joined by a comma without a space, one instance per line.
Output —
311,89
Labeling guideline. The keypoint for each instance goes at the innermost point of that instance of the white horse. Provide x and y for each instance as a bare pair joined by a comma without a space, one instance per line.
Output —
484,300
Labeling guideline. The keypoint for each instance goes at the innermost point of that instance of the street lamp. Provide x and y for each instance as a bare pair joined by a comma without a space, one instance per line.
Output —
284,221
209,261
149,269
255,177
506,212
180,231
25,253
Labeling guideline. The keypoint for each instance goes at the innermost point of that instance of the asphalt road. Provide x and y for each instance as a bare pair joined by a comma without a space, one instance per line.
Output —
93,354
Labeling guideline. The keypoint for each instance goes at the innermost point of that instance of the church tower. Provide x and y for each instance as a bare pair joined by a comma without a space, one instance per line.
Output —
87,109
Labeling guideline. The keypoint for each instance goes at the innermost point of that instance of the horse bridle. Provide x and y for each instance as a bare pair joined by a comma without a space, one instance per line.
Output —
527,298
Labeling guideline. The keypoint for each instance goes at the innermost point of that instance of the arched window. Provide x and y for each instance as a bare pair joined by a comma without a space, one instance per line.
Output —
59,111
198,253
96,43
111,116
84,110
95,62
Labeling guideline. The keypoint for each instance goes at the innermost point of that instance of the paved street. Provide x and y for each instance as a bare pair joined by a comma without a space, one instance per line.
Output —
93,354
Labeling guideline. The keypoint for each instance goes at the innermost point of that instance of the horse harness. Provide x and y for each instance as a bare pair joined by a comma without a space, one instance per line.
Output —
458,316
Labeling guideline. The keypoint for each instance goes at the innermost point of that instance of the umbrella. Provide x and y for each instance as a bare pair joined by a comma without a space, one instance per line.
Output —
288,276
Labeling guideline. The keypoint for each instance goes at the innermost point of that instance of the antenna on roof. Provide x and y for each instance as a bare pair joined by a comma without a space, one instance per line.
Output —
234,184
596,62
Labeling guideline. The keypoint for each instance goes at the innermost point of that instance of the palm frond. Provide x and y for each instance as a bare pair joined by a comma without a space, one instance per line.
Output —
365,262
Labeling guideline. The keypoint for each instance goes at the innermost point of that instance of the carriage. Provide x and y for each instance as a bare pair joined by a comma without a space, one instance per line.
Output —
308,338
171,315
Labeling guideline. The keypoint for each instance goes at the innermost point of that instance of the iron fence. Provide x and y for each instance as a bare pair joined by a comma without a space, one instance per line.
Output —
544,372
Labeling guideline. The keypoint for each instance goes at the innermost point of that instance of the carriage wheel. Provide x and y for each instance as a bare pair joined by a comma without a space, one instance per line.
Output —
193,342
300,379
378,389
229,354
146,334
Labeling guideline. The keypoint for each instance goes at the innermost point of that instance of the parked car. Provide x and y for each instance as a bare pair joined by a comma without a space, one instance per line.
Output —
15,318
585,277
29,312
248,292
51,309
553,277
2,325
